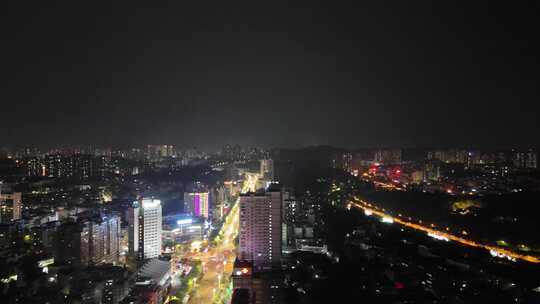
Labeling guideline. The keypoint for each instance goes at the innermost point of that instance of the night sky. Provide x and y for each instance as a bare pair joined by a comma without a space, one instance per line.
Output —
379,74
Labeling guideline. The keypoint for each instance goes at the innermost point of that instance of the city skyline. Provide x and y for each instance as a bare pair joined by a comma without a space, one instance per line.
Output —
262,152
129,228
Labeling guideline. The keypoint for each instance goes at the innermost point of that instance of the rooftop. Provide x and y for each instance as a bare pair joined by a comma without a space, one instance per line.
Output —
156,270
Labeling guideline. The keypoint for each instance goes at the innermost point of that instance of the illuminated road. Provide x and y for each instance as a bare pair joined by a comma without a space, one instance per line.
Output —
495,251
387,186
218,260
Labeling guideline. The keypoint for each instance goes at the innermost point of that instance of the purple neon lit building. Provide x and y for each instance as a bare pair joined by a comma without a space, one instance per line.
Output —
196,203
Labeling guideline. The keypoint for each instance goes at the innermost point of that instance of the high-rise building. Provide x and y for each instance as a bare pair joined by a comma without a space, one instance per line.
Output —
267,169
145,220
260,228
388,156
290,213
67,242
90,241
449,156
100,240
473,158
52,166
218,201
155,152
113,234
73,166
34,167
45,234
343,161
525,159
196,203
432,171
10,206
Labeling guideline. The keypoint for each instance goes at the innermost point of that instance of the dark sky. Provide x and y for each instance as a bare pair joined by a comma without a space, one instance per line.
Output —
379,74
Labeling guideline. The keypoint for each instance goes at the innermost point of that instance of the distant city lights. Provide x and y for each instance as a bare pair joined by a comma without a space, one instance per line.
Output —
498,254
387,220
438,237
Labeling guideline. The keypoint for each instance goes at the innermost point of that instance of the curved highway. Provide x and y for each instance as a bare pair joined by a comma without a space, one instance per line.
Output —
495,251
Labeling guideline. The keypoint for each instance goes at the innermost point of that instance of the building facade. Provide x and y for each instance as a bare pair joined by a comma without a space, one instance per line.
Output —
388,156
145,224
267,169
89,242
525,159
100,241
260,228
197,203
10,206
